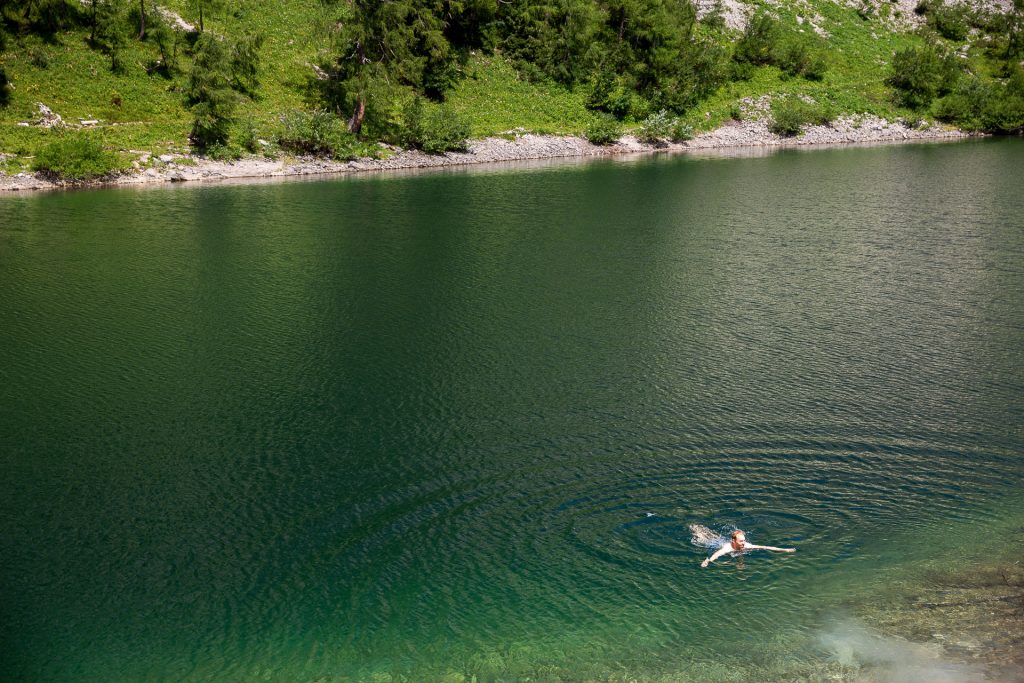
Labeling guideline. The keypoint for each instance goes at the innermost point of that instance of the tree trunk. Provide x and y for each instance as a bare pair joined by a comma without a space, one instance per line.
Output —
355,124
142,19
200,17
92,36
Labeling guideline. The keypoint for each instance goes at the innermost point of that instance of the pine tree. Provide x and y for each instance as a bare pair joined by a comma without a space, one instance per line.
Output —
210,96
397,42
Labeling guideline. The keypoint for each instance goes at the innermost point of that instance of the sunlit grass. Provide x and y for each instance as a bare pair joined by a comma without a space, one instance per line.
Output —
494,99
146,111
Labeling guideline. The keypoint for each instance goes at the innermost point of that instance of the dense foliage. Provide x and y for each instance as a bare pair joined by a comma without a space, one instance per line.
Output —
633,56
398,71
933,78
791,114
920,74
76,158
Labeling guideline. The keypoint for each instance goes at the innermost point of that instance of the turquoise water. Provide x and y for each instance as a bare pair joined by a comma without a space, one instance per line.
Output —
457,424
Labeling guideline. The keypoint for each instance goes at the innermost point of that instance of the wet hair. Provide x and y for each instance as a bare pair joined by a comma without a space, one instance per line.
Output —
735,543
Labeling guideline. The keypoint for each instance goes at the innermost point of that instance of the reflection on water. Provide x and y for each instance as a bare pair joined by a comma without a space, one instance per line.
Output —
459,424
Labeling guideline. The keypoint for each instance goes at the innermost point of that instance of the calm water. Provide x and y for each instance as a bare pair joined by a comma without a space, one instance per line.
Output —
458,423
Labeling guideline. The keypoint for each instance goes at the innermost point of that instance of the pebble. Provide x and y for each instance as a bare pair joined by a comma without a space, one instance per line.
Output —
751,132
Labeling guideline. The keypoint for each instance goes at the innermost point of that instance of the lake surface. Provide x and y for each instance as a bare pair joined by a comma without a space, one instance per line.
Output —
449,425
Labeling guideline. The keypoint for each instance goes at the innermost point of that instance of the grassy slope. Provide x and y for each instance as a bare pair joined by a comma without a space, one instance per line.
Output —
146,112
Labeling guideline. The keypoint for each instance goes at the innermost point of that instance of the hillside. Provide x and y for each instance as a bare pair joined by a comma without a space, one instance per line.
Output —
283,78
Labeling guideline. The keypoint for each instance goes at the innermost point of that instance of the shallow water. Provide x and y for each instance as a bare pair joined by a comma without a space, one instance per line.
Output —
459,423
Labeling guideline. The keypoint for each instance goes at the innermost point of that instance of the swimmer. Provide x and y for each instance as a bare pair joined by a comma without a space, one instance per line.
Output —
739,544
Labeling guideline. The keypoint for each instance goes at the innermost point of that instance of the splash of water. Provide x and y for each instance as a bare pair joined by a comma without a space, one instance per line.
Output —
704,537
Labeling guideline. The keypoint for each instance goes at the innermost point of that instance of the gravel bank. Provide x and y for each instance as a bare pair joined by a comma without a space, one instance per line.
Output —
752,132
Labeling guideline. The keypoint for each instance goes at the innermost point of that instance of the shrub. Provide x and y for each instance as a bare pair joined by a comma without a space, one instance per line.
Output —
319,133
787,117
757,45
38,58
921,74
603,130
1004,112
657,126
248,137
965,105
742,71
798,57
765,42
221,152
436,131
1004,115
609,94
681,132
951,22
790,114
76,158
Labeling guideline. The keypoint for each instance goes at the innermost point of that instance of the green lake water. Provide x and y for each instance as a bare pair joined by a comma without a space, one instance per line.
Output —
453,425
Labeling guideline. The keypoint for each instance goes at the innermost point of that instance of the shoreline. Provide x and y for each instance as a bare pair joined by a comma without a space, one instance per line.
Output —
517,146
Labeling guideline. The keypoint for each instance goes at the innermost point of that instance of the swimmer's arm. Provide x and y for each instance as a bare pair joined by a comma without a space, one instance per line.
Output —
769,547
718,553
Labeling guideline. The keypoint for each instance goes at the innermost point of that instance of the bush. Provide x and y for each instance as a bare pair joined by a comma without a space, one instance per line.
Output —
657,126
610,95
799,58
318,133
788,118
765,42
965,105
248,137
681,132
76,158
757,46
789,115
436,131
220,152
742,71
921,74
1004,115
1004,112
951,22
976,105
604,130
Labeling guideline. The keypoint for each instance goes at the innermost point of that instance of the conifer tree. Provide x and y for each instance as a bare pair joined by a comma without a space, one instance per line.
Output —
210,96
397,42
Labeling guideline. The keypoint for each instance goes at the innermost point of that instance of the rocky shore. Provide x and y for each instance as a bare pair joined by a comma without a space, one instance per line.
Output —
752,133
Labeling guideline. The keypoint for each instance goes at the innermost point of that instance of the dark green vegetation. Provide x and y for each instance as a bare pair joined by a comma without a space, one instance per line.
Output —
76,157
217,76
977,88
790,114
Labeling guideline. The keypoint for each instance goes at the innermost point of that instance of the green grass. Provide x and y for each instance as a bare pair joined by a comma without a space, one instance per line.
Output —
139,111
494,99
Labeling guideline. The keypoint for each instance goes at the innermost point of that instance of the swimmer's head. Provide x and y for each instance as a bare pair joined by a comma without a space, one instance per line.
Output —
739,539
